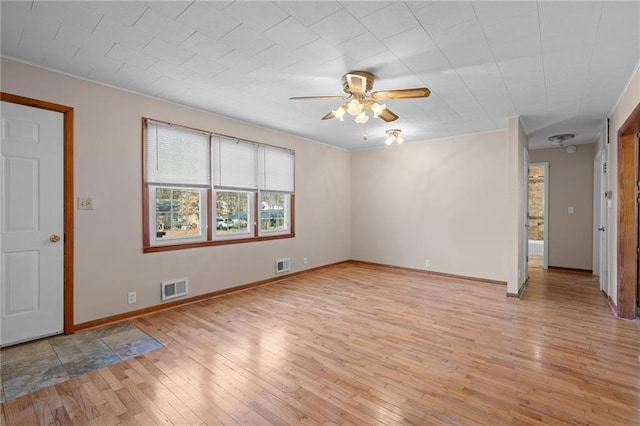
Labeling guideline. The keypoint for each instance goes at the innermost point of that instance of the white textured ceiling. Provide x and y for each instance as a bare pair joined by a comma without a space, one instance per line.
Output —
560,65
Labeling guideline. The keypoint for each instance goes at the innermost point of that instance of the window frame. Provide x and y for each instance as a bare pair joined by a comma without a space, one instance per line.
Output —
208,208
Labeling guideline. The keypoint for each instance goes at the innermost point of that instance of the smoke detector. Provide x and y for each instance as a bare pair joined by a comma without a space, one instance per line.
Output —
559,140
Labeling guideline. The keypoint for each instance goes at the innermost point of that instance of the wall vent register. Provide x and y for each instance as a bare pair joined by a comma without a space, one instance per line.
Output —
175,288
283,265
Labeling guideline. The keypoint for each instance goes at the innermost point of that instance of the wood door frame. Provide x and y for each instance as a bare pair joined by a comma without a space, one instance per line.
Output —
627,262
67,113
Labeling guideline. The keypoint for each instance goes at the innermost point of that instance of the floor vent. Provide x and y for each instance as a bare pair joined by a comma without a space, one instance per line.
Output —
283,265
174,288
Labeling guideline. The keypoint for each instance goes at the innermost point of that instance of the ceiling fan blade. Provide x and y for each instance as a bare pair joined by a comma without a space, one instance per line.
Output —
328,116
298,98
388,115
419,92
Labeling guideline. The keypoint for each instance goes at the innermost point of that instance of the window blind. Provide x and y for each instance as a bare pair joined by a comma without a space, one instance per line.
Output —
177,156
234,164
277,169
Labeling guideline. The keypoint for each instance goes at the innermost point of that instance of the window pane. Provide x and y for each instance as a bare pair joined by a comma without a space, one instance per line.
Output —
273,211
232,212
177,213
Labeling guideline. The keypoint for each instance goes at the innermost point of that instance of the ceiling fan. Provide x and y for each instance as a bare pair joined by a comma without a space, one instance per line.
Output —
358,85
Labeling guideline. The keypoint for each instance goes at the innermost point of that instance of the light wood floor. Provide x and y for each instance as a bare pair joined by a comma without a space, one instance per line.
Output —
355,344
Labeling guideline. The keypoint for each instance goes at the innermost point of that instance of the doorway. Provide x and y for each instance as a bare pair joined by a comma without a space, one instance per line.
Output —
627,262
538,215
37,217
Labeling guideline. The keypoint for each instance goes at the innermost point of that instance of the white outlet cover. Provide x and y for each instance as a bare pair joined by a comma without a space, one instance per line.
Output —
85,203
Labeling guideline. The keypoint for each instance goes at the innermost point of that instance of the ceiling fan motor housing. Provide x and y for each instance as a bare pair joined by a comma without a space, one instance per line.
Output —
352,82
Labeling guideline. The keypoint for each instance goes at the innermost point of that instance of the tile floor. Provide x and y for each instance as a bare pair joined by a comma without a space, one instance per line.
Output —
535,261
35,365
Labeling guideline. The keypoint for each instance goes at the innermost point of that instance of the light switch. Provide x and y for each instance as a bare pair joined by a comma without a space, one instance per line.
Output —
570,210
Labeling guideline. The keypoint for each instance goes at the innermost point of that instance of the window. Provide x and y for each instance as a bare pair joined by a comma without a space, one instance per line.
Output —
193,178
232,213
177,213
273,212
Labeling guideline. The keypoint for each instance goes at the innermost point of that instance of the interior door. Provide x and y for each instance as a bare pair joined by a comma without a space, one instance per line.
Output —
525,231
32,235
605,206
597,222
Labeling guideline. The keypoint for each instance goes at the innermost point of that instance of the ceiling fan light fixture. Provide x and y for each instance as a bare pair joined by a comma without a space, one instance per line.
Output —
559,140
355,107
339,112
393,135
358,86
361,118
377,109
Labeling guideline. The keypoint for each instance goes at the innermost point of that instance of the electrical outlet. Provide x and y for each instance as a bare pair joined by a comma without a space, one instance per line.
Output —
131,297
427,263
85,203
305,260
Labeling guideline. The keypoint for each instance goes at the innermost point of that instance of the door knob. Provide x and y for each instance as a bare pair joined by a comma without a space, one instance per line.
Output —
601,229
54,238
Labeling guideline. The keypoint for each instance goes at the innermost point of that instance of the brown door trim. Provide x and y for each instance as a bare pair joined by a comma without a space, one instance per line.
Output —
628,243
68,196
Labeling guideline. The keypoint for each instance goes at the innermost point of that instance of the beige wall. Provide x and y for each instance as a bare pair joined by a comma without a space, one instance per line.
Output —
570,185
108,248
628,101
517,176
444,200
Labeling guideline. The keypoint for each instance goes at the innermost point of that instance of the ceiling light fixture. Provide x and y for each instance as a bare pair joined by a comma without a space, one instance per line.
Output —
358,86
393,135
377,109
357,108
339,112
361,118
559,140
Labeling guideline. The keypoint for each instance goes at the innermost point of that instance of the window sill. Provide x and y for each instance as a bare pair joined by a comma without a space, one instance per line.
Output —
224,242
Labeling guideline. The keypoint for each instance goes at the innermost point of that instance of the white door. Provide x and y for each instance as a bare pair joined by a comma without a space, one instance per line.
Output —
32,237
597,202
525,230
605,205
